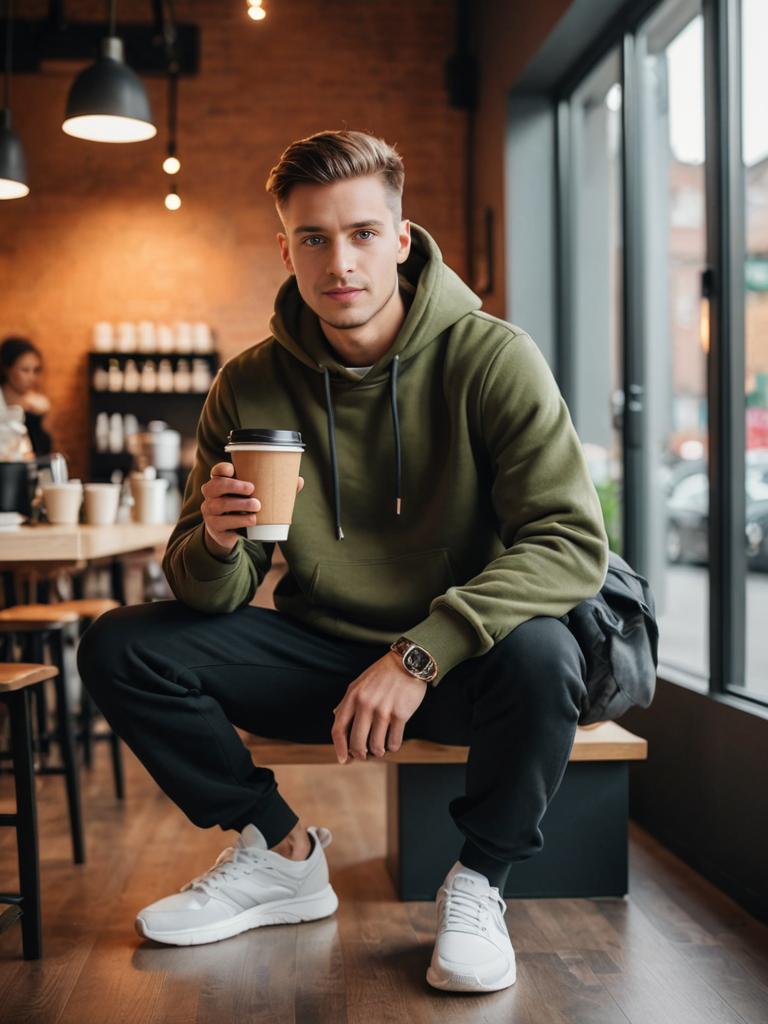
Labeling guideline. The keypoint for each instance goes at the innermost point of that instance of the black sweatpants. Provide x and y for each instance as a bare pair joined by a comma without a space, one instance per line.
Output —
172,682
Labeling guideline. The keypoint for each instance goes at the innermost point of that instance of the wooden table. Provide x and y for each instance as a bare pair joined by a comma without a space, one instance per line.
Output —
46,542
45,546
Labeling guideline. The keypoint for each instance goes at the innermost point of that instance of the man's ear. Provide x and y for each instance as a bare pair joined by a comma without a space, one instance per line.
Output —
282,241
404,241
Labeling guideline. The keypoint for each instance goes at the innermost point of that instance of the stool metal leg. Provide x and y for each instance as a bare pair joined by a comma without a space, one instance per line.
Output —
67,746
26,823
86,727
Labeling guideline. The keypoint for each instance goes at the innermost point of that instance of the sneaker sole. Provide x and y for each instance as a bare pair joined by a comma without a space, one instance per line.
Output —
292,911
450,981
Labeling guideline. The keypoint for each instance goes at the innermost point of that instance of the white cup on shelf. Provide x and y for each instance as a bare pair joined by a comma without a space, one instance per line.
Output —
148,499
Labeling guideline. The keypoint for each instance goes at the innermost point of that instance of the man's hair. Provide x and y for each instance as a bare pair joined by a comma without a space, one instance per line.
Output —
331,156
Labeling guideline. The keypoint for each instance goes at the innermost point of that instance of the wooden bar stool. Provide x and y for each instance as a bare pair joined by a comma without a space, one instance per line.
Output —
35,627
16,683
88,610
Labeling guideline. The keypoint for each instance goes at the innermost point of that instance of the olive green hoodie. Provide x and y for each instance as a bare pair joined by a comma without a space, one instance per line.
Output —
447,497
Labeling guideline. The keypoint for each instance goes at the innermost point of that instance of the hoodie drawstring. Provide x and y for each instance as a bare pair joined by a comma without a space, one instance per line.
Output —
393,367
332,444
393,370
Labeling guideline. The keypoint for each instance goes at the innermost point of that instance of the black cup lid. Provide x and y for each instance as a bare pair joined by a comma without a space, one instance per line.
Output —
257,435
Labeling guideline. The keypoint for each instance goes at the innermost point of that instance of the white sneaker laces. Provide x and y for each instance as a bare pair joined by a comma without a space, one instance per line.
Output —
464,912
231,864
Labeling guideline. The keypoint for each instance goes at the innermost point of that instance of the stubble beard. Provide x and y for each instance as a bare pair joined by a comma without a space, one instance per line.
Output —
360,323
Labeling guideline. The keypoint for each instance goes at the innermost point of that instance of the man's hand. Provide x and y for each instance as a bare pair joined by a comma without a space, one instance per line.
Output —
228,506
383,698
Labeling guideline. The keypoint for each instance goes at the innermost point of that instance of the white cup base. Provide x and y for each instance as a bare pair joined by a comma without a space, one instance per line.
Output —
269,531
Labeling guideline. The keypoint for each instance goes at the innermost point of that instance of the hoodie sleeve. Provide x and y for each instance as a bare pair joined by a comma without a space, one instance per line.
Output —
196,576
548,513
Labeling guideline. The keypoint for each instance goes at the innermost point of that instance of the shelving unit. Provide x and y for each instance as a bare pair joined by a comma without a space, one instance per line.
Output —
179,409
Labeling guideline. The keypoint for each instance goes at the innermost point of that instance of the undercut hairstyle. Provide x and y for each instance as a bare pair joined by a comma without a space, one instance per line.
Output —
330,156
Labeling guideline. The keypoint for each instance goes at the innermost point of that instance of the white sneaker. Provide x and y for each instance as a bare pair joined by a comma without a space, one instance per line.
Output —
473,951
247,887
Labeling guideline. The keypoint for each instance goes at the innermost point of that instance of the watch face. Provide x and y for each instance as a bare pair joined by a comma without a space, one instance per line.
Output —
417,660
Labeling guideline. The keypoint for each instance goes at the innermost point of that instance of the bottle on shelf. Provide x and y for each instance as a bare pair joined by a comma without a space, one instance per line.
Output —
165,376
165,339
182,378
116,439
131,376
100,379
201,375
101,432
149,376
115,376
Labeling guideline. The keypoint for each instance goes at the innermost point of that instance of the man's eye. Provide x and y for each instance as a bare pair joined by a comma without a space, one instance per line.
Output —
365,231
311,241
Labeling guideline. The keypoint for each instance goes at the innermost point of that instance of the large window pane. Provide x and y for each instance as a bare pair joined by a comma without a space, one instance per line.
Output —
596,261
670,44
755,156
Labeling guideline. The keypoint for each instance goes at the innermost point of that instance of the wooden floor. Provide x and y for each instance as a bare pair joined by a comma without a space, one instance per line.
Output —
675,952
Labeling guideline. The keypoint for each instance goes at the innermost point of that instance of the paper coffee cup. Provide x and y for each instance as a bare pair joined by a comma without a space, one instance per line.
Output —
148,499
63,501
101,501
270,459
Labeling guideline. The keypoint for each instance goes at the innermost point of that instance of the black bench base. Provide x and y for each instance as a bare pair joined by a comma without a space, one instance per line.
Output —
585,831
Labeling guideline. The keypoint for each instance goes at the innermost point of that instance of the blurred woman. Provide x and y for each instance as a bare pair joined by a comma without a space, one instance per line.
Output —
20,367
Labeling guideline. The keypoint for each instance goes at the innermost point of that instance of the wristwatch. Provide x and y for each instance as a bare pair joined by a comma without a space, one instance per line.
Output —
416,660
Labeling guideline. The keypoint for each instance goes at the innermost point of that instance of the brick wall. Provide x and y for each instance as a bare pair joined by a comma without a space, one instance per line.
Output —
93,240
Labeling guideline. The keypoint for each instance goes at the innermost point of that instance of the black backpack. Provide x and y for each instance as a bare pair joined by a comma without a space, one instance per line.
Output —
619,637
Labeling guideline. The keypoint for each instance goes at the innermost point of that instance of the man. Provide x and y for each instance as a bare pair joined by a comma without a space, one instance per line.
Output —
446,509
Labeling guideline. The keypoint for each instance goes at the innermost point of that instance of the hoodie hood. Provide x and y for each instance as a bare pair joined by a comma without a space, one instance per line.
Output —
440,298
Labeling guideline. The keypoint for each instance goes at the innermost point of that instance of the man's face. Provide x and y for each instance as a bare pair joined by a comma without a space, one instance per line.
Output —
342,244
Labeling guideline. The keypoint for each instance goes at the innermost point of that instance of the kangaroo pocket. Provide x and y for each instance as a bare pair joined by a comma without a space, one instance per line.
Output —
386,593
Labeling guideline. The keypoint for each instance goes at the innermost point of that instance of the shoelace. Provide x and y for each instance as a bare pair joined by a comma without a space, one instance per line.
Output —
467,913
231,863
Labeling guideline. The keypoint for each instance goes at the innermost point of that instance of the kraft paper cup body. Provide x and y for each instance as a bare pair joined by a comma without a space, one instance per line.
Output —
101,502
63,501
274,471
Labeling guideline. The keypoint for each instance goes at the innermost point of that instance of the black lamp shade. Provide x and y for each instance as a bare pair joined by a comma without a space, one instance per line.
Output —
107,102
13,166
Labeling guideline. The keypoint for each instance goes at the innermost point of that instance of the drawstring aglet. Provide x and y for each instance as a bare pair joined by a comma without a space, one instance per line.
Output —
398,505
339,533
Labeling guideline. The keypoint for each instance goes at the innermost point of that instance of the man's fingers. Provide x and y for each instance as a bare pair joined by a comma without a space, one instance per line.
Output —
339,735
299,484
396,728
358,737
377,743
223,469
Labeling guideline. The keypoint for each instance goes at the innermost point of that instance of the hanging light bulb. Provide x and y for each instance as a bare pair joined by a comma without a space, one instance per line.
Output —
107,102
172,164
256,11
173,199
13,166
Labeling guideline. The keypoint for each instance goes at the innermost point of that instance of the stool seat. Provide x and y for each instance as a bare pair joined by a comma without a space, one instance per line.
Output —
21,617
88,607
17,675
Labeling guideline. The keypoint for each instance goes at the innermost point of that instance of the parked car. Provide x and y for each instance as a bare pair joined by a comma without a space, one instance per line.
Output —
687,539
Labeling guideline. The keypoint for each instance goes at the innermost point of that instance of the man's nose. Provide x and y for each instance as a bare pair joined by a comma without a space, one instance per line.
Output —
340,260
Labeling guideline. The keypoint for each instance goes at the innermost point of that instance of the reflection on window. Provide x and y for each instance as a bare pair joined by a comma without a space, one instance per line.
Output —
675,490
596,316
754,16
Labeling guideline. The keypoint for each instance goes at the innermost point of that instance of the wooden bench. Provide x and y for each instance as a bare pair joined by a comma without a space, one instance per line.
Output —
585,827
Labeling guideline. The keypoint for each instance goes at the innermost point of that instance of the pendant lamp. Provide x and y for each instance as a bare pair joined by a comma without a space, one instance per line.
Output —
107,102
13,166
